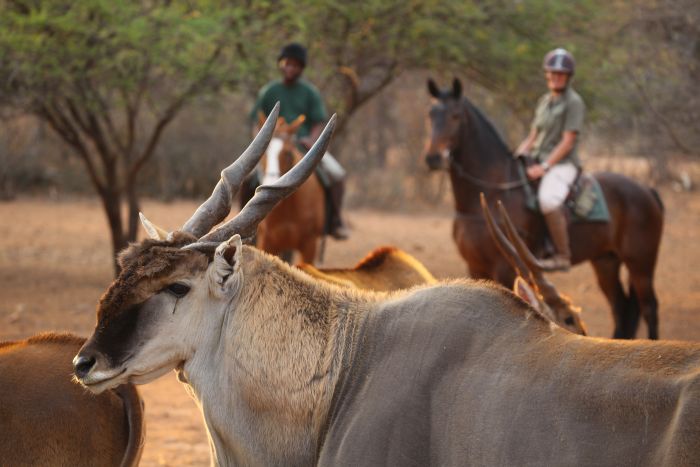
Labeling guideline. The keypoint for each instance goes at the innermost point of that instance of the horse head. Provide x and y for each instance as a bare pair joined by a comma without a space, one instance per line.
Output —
446,116
282,152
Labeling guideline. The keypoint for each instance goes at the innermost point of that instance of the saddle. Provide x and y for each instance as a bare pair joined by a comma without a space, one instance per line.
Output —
585,202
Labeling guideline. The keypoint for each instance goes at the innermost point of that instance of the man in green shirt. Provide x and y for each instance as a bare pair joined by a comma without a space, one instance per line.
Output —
553,144
299,97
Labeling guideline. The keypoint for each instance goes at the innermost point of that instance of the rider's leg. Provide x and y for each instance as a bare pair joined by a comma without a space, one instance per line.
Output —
552,193
333,179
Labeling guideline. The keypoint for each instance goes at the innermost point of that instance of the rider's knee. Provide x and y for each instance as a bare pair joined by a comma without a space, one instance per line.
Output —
550,202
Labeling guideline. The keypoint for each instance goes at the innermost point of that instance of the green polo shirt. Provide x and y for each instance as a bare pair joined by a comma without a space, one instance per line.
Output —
554,116
299,98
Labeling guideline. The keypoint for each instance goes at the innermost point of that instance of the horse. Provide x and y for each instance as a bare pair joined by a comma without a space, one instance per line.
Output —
298,221
465,142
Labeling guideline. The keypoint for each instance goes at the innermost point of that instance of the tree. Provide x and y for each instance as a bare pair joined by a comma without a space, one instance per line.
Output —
358,48
109,77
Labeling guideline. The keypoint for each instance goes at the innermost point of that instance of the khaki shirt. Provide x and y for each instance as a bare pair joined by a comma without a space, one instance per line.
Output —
554,116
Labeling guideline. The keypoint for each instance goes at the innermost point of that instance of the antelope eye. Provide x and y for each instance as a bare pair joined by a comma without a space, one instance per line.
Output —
569,320
177,289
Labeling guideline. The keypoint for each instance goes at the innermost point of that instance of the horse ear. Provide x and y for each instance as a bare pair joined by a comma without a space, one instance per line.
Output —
296,123
261,118
456,88
433,89
281,124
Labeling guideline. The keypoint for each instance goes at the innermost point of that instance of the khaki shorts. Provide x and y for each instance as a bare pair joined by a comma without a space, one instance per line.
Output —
555,186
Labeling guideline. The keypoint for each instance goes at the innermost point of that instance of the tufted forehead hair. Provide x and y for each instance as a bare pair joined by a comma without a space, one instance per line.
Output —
146,268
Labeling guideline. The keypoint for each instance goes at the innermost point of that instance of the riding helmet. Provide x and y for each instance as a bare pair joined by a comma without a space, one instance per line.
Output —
559,60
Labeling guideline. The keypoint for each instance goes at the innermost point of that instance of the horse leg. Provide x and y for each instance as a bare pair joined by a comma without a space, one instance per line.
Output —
286,256
308,250
626,318
644,299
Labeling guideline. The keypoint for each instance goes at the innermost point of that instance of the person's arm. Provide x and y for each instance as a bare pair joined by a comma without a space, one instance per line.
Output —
526,146
560,151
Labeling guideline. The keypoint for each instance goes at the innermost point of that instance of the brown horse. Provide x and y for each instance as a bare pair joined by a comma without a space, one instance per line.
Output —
479,161
297,222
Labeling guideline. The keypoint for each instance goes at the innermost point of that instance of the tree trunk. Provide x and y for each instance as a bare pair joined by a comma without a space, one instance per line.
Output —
111,201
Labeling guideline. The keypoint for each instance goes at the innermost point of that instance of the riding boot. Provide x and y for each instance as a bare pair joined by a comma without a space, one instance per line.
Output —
337,228
558,230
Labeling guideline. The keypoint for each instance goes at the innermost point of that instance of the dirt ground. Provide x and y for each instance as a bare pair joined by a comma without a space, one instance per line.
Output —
55,263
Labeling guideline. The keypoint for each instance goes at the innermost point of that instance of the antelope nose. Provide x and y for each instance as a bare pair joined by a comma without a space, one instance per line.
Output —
82,365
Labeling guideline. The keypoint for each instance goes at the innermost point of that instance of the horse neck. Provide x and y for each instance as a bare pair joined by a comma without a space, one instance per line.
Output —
482,154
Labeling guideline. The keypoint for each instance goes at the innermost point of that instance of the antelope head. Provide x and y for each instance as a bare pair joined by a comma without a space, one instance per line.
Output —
530,283
175,288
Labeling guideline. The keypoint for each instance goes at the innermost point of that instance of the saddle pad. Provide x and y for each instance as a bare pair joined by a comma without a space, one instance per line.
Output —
589,191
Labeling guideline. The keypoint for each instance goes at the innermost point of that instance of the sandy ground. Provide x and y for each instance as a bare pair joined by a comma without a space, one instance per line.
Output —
55,263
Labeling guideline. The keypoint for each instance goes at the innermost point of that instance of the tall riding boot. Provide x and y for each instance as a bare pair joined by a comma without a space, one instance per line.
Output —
337,228
558,229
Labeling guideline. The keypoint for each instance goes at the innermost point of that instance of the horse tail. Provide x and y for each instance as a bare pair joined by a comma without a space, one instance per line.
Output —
657,197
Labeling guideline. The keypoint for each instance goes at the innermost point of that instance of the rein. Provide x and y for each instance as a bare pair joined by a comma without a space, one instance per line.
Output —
502,186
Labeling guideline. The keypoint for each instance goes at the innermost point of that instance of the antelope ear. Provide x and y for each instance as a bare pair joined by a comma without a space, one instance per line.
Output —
523,290
227,262
153,231
433,89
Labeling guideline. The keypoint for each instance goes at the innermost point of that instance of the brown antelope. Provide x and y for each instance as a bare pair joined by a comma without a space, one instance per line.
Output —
530,283
383,269
289,370
47,420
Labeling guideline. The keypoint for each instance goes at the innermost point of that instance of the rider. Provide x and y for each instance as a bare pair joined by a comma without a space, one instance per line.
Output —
552,143
296,97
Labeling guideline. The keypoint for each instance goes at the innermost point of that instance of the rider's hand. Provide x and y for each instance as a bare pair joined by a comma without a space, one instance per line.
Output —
535,171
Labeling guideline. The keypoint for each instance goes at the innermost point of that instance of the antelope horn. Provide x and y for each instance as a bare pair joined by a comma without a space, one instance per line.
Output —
546,288
217,207
504,245
267,196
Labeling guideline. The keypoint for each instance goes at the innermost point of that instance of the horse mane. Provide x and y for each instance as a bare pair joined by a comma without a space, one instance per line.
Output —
484,127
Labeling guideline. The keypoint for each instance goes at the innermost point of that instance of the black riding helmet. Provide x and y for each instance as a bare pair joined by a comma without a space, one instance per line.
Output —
294,51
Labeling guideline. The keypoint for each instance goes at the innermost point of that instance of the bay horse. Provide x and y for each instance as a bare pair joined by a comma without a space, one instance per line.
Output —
297,222
465,142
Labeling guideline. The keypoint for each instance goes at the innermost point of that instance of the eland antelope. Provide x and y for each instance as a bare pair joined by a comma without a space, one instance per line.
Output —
47,420
289,370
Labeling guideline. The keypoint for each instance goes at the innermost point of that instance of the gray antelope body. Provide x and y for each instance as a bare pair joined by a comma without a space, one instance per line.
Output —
289,370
